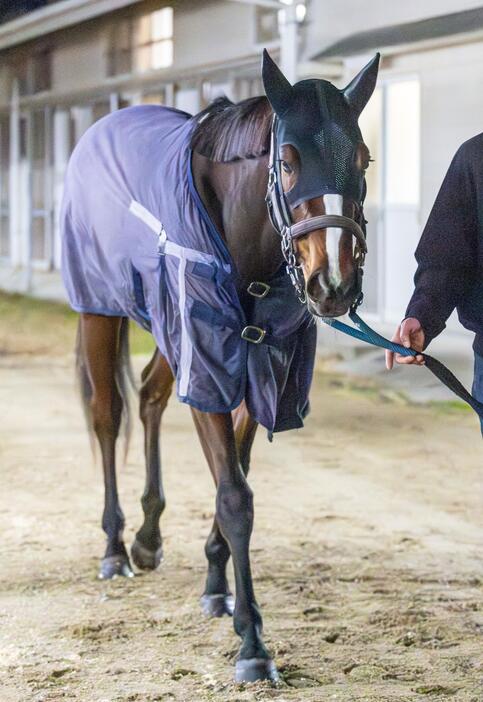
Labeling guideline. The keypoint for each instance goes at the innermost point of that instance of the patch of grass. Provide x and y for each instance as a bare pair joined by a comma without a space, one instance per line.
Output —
368,388
32,326
140,341
449,406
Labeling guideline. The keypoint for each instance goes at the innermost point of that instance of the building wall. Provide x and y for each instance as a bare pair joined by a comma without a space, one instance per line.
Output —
450,109
331,21
79,59
214,33
222,35
79,53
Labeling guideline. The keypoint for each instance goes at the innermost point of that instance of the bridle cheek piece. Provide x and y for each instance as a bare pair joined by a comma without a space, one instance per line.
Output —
281,219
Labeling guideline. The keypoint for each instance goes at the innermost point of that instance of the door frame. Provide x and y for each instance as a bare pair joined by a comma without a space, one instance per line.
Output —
382,280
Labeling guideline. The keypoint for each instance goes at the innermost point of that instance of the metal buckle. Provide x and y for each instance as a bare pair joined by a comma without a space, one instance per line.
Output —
249,330
258,289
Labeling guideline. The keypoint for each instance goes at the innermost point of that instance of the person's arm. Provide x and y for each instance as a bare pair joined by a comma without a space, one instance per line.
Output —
445,257
446,251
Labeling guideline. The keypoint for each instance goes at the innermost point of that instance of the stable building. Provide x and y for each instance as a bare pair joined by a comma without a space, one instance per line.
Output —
66,63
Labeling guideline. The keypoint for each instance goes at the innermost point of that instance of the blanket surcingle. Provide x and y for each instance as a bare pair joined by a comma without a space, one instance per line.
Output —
138,242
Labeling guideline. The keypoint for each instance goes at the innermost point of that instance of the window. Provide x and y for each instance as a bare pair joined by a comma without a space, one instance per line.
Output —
154,41
35,73
142,43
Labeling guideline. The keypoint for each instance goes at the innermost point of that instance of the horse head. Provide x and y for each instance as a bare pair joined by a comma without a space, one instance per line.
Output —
317,183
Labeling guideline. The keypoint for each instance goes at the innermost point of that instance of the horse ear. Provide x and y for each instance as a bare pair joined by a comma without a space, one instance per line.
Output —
277,88
360,89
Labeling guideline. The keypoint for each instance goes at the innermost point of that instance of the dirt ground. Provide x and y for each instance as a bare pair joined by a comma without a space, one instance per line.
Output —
366,554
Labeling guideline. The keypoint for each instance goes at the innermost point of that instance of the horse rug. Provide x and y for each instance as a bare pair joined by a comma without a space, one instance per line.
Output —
137,241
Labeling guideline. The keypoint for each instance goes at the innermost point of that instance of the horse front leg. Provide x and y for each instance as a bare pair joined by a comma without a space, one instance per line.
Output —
217,599
147,550
234,515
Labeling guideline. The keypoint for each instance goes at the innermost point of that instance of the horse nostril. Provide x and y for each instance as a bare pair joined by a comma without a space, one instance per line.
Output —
346,287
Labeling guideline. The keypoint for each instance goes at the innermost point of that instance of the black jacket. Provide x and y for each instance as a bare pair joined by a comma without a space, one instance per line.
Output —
450,251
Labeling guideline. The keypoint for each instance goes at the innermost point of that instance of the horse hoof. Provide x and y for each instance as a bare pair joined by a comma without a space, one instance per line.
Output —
145,559
217,605
255,669
115,566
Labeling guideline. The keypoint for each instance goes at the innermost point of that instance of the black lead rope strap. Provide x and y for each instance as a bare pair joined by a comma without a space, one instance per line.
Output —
365,333
451,381
438,369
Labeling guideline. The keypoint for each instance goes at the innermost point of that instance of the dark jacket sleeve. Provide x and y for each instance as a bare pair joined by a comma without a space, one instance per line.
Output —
446,253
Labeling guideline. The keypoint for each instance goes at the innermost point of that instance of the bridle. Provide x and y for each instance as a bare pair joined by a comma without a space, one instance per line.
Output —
281,219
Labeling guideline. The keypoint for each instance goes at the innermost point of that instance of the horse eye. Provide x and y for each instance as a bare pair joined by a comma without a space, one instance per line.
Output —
362,158
287,167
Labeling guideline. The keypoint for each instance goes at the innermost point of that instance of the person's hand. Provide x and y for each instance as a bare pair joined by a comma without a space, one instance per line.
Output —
411,335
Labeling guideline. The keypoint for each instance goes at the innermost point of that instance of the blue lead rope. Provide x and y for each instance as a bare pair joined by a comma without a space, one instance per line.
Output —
363,332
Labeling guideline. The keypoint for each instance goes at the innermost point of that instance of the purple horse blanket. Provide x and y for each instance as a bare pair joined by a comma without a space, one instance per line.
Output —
138,242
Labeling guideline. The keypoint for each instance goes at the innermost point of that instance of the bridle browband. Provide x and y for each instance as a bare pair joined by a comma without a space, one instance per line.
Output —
281,219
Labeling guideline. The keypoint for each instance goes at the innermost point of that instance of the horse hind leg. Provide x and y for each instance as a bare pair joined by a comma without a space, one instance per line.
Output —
101,340
146,550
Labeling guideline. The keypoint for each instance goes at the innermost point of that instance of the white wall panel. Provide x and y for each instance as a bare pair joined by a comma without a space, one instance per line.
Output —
330,21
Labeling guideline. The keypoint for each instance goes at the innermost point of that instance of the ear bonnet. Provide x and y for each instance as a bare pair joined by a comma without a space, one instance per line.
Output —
320,121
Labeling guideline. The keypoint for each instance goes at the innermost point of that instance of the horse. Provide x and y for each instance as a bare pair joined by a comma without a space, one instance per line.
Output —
277,185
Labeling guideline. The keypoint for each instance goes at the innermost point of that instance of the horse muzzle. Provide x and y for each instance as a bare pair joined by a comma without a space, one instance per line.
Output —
323,299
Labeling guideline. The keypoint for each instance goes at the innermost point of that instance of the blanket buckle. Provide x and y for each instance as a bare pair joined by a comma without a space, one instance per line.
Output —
258,289
255,335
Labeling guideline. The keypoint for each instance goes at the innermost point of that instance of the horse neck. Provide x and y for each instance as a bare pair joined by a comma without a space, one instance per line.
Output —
234,195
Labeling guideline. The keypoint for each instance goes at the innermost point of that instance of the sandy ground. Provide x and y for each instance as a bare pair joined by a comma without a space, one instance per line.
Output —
365,553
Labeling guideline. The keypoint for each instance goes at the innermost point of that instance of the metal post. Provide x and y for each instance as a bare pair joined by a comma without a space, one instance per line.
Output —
29,203
288,26
113,102
61,151
14,204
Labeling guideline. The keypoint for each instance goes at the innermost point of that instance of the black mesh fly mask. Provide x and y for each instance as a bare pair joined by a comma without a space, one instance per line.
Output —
320,122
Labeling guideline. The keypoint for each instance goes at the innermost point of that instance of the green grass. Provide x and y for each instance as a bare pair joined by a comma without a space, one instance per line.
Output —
29,325
450,406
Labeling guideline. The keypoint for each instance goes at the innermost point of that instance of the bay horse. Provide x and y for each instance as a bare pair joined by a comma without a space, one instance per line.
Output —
129,250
